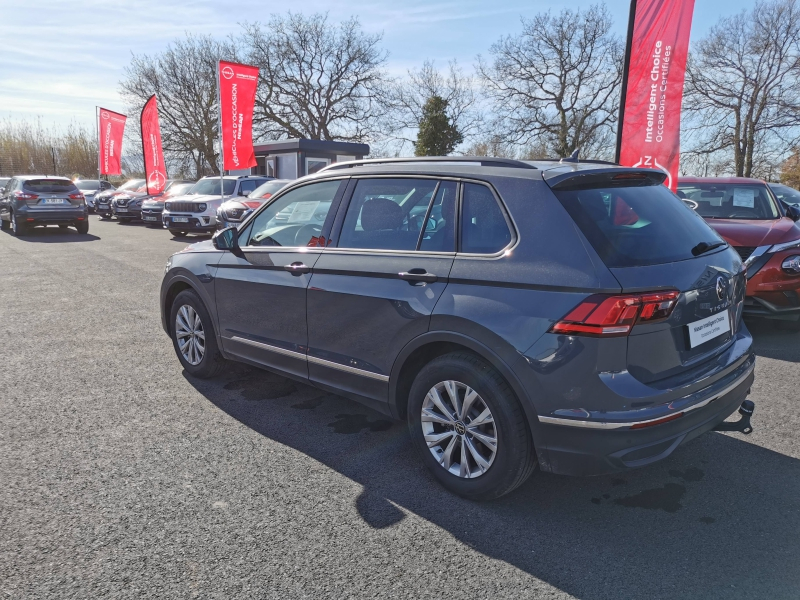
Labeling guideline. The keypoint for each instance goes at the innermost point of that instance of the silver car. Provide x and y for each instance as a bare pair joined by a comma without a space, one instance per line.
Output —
234,211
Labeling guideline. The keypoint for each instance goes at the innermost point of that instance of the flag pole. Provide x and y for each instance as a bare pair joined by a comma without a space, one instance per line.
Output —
625,69
221,148
97,130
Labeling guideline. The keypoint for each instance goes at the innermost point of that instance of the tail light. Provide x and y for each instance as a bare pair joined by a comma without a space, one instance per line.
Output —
20,195
607,316
76,196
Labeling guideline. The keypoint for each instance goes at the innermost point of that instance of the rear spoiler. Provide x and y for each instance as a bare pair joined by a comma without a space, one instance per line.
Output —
570,179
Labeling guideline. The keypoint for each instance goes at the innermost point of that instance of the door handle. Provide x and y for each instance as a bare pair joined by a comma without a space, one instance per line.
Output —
418,275
297,268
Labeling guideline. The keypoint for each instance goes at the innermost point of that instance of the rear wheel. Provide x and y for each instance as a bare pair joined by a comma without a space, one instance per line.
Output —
82,227
469,427
18,227
193,336
4,225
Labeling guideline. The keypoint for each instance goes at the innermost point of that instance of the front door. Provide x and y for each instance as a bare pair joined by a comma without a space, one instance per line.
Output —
261,296
375,290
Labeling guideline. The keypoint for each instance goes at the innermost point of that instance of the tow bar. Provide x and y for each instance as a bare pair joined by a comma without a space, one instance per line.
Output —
743,424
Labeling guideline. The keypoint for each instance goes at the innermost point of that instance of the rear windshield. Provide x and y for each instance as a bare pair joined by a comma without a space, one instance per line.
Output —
88,184
44,186
730,200
636,226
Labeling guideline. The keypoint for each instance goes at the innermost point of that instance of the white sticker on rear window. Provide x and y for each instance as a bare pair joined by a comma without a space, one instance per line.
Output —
744,197
303,211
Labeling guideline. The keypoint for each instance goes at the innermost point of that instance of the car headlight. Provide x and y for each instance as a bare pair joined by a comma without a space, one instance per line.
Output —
792,265
169,265
202,207
785,246
167,206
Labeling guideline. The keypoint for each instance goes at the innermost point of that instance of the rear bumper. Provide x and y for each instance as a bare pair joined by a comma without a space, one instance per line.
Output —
66,216
579,448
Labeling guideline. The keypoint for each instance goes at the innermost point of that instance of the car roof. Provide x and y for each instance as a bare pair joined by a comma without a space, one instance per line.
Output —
720,180
237,177
29,177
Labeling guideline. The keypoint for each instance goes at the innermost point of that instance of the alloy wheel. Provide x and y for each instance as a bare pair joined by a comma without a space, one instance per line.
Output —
459,429
190,335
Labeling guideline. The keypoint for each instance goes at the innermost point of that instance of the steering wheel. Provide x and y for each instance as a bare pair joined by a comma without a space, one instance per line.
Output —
305,233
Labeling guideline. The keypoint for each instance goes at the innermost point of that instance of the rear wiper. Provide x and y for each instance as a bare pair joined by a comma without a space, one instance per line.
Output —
704,247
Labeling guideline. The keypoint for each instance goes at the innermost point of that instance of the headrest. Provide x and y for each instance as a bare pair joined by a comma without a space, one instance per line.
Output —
381,213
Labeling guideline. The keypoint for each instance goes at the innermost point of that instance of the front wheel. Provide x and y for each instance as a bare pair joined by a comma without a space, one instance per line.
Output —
193,336
469,427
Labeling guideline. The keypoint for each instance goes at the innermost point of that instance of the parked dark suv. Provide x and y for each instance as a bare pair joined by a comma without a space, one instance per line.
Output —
577,316
40,200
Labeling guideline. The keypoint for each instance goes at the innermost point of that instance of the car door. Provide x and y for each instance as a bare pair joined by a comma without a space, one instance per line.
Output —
261,295
374,287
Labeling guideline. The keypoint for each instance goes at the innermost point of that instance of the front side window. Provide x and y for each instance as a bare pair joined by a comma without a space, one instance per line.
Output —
484,229
295,218
387,214
729,200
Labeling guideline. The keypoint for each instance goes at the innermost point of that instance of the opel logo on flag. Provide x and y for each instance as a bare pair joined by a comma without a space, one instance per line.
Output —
105,115
156,179
227,72
720,288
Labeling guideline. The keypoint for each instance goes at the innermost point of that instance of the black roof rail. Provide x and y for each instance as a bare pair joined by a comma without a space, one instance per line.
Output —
483,161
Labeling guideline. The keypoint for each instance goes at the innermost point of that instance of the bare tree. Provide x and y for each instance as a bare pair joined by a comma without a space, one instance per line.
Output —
558,80
743,88
317,80
453,86
184,77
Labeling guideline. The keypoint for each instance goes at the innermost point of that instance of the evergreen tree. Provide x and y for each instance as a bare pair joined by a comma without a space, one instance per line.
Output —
437,136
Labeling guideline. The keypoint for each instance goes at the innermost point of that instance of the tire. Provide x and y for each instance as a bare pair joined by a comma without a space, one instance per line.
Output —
514,459
82,227
211,361
18,228
4,225
177,232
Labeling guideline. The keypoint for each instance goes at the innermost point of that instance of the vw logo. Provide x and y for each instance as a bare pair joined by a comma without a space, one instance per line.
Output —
156,179
721,288
461,429
227,72
105,115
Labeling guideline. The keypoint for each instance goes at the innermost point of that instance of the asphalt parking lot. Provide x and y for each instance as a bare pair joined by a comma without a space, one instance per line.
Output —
122,477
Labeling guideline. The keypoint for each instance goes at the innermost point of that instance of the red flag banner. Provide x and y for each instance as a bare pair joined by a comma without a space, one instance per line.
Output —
154,168
111,127
653,87
237,97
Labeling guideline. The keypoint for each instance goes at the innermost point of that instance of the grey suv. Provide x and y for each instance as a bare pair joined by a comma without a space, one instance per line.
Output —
31,200
574,316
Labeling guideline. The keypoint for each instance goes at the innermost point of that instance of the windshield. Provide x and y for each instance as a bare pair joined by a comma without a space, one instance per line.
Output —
211,187
751,201
267,189
88,184
131,184
637,225
783,192
178,189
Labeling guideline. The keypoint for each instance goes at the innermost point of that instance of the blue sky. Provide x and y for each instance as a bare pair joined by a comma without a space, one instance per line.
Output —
60,58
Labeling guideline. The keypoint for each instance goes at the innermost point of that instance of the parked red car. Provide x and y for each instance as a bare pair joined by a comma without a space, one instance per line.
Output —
763,231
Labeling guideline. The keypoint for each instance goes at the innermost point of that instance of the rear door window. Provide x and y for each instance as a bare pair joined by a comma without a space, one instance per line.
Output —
637,225
484,229
49,186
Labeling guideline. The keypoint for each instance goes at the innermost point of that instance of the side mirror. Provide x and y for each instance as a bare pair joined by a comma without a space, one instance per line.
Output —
244,193
228,239
793,212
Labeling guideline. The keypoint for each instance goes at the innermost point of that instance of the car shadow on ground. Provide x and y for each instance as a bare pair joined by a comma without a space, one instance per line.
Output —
770,340
55,235
719,518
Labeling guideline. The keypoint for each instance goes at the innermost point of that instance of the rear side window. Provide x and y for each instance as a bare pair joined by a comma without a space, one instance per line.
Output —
638,225
45,186
484,229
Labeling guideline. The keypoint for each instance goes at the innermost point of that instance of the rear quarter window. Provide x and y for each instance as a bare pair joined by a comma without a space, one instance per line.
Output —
637,225
49,186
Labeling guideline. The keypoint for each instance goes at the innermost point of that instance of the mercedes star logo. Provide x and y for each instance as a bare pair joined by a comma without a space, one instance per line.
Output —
227,72
720,288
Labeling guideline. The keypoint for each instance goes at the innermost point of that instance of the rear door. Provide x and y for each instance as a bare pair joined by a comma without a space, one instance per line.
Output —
651,241
375,287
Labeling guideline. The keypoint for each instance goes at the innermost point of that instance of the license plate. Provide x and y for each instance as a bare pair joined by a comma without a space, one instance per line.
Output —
709,328
151,218
122,209
54,201
180,219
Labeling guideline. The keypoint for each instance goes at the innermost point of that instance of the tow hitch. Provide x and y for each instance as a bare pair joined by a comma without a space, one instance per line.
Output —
743,424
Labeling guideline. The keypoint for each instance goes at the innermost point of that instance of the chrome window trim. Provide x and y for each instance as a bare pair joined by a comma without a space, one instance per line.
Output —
605,425
758,252
312,359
